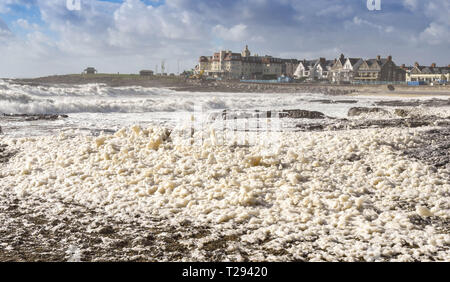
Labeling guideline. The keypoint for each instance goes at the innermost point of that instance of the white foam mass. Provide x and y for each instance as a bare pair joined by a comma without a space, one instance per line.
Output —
305,187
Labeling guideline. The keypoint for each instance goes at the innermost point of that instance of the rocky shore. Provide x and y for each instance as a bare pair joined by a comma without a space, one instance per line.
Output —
223,86
399,118
31,117
29,233
5,153
435,150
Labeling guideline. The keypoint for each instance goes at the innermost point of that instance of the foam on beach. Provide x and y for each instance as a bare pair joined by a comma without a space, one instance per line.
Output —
353,191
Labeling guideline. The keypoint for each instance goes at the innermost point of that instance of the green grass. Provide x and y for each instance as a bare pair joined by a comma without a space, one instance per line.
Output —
123,76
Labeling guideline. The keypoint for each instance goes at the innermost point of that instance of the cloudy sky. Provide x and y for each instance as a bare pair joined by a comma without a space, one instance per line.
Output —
45,37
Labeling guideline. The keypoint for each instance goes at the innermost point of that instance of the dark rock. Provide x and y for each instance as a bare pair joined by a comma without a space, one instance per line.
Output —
434,149
5,154
240,114
323,101
416,123
354,157
28,117
185,223
309,127
346,101
345,124
301,114
97,241
326,101
145,241
414,103
401,112
120,244
398,103
356,111
107,230
443,123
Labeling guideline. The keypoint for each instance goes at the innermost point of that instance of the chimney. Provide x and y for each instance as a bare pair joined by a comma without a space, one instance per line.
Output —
335,60
416,64
433,65
342,56
378,57
403,66
322,60
389,58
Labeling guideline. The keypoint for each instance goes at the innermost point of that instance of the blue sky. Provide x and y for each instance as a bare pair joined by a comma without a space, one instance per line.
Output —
44,37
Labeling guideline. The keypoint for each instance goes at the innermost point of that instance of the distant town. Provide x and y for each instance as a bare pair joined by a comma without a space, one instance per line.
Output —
245,67
341,70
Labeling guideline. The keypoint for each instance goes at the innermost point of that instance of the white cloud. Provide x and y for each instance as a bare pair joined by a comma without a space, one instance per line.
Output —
340,11
4,30
435,34
3,25
359,21
235,33
6,4
135,18
114,37
438,10
23,23
411,4
438,31
128,36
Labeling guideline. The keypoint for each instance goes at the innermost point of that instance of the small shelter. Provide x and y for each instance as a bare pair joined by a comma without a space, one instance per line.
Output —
146,73
90,70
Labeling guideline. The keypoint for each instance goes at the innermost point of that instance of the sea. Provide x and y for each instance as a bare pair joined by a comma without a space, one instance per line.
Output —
97,108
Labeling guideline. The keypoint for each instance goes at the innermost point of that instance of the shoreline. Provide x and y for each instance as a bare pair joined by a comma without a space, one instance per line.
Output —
189,85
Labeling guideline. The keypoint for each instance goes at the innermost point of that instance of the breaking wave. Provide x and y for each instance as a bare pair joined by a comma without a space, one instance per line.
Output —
85,90
99,98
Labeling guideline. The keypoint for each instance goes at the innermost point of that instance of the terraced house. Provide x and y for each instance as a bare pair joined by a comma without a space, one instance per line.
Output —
378,70
304,69
227,64
431,74
313,70
343,69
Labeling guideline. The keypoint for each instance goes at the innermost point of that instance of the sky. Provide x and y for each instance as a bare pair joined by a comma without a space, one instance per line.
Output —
47,37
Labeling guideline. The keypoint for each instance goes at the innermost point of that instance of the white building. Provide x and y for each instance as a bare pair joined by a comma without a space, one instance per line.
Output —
312,70
231,65
344,69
